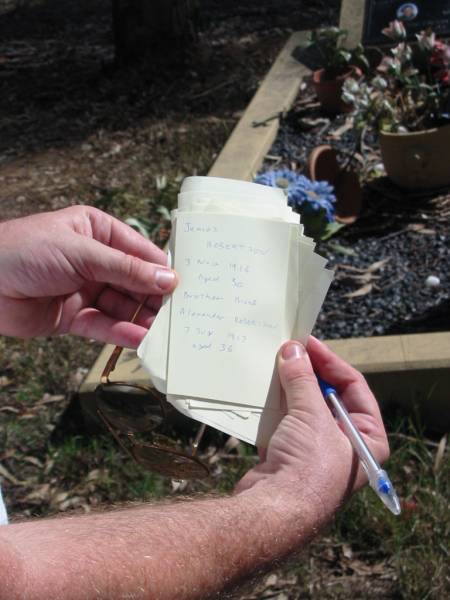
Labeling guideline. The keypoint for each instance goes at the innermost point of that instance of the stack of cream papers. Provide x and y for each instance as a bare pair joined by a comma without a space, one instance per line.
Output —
249,281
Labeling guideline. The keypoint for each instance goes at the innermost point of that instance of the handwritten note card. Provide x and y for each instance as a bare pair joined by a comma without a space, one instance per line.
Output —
249,280
227,312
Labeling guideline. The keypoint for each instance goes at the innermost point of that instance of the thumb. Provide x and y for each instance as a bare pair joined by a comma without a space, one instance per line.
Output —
108,265
303,395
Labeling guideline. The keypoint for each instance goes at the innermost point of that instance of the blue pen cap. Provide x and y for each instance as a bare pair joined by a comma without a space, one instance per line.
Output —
325,387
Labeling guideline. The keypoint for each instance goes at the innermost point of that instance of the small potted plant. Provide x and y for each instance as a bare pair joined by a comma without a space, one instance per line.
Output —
338,63
407,102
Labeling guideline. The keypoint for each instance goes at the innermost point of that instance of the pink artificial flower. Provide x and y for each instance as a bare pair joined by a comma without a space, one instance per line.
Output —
426,40
440,61
403,52
443,77
395,31
389,64
441,54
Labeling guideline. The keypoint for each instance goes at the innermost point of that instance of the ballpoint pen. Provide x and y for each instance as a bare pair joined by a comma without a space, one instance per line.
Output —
378,478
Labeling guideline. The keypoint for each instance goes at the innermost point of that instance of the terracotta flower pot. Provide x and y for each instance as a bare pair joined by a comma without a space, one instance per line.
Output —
329,91
417,160
323,166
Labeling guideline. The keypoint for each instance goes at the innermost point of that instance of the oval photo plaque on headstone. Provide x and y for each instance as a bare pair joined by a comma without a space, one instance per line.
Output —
416,16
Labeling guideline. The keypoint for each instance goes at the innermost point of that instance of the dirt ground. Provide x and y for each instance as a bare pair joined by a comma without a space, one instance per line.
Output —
75,129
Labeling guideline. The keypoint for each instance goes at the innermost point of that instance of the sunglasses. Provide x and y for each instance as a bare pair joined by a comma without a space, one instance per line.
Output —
129,409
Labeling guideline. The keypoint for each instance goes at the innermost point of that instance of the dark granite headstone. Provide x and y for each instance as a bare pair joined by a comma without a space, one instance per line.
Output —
416,16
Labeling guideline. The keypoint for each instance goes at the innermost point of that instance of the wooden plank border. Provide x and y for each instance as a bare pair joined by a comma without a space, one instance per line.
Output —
244,152
352,19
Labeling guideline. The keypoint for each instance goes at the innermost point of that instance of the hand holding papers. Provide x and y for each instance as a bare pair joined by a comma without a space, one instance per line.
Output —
249,280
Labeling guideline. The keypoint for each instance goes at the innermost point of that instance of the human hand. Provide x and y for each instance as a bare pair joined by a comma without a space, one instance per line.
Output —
80,271
309,456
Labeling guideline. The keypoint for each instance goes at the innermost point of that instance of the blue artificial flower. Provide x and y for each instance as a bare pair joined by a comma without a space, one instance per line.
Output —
285,179
305,196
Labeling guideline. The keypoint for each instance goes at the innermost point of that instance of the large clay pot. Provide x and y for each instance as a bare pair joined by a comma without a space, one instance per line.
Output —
329,91
418,160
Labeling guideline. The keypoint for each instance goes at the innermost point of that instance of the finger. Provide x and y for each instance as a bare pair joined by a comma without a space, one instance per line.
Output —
262,454
349,383
356,395
374,435
97,262
92,323
152,301
29,317
122,307
372,431
303,395
112,232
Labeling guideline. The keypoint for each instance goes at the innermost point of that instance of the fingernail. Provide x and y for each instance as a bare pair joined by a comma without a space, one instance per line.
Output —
293,350
164,278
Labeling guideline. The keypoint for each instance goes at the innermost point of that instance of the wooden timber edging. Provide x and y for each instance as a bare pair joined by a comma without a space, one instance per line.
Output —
352,21
255,132
403,370
406,369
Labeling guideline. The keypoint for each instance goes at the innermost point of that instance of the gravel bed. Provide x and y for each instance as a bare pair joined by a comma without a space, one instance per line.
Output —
382,262
396,297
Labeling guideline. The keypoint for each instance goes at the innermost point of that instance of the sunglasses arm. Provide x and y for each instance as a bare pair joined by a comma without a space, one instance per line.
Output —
114,433
198,439
112,361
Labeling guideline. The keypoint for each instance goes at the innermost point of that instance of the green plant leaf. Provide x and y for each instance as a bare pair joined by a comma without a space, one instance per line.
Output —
164,212
345,56
331,229
138,226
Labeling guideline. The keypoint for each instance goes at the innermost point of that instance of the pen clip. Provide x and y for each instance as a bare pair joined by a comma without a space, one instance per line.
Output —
325,387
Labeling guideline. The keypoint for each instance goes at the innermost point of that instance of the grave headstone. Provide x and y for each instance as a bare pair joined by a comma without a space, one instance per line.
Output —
365,19
416,16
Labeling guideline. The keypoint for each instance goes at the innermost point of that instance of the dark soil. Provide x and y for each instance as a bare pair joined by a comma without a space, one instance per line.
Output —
409,232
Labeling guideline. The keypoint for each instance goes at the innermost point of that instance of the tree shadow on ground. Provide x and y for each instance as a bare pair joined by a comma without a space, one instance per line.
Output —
58,83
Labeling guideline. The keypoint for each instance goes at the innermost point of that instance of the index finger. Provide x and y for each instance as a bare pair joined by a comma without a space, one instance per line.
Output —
119,235
349,383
